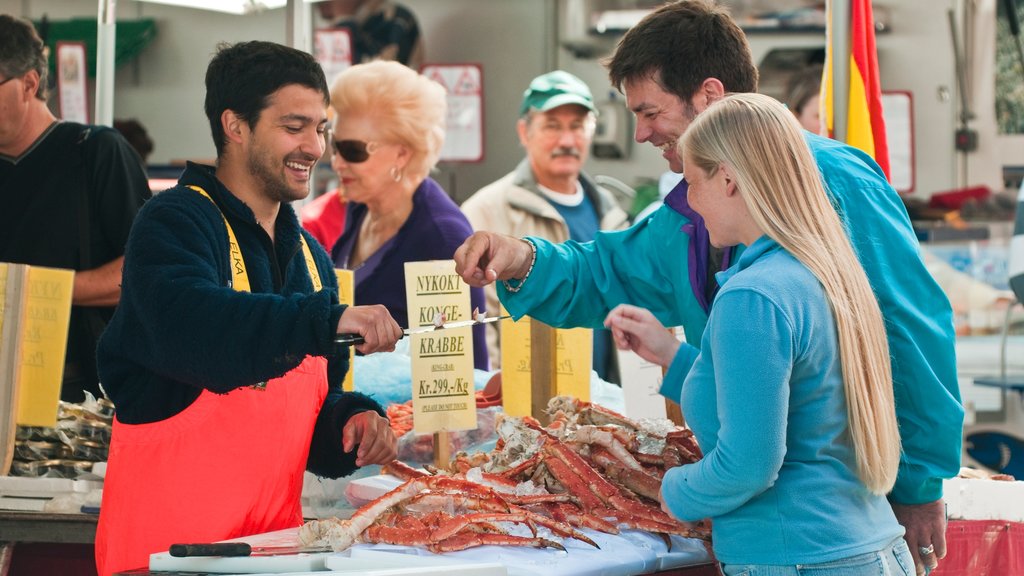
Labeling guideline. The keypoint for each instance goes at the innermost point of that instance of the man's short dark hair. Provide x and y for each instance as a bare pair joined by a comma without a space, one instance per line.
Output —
21,50
242,77
680,45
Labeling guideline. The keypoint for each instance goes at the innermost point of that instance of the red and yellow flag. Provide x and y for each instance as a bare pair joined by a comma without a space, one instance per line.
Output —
865,127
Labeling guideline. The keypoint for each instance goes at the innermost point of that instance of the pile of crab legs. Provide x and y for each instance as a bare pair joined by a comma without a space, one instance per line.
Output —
589,468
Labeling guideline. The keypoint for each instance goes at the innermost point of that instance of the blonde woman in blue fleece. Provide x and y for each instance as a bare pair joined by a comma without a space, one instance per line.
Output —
790,394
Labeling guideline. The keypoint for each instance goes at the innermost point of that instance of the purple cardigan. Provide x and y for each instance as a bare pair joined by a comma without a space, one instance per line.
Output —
435,228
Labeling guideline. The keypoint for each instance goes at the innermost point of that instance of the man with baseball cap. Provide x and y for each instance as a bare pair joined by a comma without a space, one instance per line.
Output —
548,195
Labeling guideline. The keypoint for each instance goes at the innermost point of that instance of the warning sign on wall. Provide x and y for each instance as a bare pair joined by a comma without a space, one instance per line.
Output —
332,48
464,140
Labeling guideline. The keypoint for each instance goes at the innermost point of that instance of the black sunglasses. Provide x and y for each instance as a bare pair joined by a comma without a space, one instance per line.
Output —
354,151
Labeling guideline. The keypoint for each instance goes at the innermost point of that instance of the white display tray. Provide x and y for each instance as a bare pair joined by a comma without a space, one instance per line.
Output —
972,499
368,562
22,486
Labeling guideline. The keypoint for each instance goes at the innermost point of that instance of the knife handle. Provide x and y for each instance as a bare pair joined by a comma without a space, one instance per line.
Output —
350,339
219,549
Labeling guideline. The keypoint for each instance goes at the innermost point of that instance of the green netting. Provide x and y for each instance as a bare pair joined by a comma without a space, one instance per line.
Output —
132,37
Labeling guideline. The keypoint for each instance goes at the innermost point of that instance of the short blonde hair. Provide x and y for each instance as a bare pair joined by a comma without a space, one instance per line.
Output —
407,108
779,181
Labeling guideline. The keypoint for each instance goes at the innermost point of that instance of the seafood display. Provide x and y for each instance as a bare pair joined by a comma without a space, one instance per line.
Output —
589,468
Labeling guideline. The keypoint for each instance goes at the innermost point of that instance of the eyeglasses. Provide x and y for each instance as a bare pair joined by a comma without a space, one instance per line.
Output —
9,79
579,129
355,151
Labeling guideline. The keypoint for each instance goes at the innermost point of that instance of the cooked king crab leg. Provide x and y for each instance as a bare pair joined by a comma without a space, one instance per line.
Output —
458,523
340,534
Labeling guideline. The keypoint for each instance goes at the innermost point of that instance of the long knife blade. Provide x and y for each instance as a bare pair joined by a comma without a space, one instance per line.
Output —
237,549
358,339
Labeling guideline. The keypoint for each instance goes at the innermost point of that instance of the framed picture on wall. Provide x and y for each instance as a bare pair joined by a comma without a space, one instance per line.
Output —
72,82
332,48
898,111
464,138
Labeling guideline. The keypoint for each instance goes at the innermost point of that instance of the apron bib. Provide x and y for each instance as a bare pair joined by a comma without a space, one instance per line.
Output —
229,465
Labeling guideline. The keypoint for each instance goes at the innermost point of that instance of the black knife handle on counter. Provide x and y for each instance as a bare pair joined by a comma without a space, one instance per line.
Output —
219,549
350,339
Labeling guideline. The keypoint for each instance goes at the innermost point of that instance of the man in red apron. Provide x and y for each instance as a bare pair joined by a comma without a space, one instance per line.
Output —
221,356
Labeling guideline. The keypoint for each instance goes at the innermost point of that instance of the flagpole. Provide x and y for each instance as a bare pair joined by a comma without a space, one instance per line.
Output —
840,11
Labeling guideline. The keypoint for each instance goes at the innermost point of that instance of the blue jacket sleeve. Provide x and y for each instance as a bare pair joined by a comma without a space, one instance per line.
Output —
672,383
577,284
752,392
918,317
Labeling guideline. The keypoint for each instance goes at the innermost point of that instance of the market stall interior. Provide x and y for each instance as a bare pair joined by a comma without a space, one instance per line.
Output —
514,495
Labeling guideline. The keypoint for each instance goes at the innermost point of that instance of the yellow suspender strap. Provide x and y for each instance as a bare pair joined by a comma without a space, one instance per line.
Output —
311,264
240,279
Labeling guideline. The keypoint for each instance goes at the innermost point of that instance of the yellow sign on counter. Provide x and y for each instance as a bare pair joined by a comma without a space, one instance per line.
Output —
42,305
573,357
443,396
347,296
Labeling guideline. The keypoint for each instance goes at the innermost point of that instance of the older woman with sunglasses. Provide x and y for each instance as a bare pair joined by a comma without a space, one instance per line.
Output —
388,131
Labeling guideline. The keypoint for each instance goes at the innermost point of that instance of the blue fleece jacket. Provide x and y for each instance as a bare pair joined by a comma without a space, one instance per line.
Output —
180,327
778,477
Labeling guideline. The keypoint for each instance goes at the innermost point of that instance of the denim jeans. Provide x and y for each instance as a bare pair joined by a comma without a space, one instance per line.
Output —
893,560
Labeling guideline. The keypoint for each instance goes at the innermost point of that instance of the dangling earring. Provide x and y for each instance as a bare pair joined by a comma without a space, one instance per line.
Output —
395,174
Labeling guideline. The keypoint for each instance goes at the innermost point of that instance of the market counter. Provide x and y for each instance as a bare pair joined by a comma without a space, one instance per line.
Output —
983,548
40,543
629,553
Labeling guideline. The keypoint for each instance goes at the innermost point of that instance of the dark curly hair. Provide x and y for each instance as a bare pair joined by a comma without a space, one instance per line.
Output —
680,45
242,77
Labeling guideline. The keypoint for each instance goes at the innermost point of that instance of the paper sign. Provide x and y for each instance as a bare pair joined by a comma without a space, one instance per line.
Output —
443,395
464,133
347,296
71,82
43,334
573,356
641,381
332,48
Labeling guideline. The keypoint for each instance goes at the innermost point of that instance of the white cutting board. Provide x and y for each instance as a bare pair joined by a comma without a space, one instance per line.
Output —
247,564
367,562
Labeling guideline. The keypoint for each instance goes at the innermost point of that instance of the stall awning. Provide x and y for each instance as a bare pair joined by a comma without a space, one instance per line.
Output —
132,37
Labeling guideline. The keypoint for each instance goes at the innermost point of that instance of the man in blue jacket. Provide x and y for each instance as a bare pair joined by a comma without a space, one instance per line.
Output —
221,356
671,66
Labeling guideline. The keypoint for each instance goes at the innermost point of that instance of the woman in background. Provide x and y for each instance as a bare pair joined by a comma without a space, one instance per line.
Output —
388,132
790,395
803,97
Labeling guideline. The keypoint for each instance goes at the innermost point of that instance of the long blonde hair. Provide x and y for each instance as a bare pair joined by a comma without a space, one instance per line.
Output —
779,181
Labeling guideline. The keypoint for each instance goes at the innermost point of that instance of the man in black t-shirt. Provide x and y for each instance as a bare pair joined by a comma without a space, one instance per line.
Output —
69,192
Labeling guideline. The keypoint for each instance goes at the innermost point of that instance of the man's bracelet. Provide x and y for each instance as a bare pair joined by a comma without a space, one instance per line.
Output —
513,288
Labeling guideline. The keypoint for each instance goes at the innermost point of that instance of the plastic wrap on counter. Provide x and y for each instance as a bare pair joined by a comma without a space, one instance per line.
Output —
92,409
70,469
71,431
419,448
68,450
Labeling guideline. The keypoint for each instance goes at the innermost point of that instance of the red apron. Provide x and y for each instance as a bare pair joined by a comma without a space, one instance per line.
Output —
229,465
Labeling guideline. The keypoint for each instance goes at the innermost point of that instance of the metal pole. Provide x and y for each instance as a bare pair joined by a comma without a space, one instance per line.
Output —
840,45
106,34
297,19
